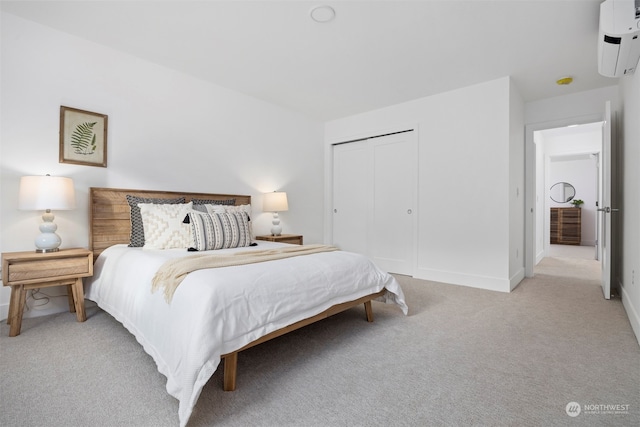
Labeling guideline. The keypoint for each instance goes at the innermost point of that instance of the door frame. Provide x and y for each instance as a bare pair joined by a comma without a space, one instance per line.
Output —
530,181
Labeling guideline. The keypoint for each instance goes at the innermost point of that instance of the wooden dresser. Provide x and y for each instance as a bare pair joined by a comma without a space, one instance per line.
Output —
566,225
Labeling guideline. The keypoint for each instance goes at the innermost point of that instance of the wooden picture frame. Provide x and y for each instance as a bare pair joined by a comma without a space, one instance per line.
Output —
83,137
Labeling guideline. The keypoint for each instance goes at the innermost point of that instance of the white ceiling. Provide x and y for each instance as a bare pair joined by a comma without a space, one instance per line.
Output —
374,54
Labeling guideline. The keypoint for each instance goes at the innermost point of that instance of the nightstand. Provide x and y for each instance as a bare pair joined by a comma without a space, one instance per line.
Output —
295,239
30,270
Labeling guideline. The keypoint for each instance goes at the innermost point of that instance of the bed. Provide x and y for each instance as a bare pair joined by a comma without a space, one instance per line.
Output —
212,314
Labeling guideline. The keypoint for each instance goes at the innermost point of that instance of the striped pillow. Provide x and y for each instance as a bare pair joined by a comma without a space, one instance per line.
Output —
211,209
218,230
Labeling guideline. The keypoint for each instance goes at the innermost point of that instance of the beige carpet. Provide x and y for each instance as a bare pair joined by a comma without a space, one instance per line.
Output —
584,271
463,357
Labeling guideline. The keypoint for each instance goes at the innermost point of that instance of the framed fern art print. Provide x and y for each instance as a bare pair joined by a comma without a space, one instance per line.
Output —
83,137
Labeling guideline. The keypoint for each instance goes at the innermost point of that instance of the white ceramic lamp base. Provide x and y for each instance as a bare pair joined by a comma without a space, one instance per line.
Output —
48,240
276,229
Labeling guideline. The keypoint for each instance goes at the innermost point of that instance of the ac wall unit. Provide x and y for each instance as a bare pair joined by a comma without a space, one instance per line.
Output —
619,37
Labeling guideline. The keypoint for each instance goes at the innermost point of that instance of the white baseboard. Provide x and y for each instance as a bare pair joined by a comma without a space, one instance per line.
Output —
516,279
472,281
632,312
56,304
4,311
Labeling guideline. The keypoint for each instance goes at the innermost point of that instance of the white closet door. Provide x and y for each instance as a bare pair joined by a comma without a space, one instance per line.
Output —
374,199
351,196
394,186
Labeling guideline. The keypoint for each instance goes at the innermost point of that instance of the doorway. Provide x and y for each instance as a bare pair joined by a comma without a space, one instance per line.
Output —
537,186
567,167
568,159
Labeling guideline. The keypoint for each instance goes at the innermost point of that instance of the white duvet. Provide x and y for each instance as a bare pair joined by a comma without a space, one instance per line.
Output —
217,311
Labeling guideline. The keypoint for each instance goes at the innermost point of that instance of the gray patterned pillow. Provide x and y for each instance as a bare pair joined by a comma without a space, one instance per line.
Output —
218,230
239,208
199,204
137,228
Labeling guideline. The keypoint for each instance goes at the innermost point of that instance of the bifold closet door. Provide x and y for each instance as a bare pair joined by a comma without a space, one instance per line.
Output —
392,236
374,198
351,196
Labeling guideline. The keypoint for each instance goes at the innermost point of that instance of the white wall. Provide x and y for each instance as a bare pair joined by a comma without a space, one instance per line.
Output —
630,207
516,186
467,182
167,131
572,108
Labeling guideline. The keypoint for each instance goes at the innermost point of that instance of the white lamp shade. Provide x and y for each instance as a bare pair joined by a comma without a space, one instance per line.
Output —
275,202
46,192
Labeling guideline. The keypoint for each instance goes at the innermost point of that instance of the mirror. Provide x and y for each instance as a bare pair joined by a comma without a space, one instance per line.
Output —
562,192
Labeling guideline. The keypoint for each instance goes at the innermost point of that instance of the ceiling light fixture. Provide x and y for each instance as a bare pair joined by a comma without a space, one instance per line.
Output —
322,14
564,81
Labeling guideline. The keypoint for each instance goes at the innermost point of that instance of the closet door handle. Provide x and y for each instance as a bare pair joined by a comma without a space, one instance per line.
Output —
409,211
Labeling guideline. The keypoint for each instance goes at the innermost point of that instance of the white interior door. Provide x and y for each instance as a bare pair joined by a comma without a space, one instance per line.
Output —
604,208
351,196
394,188
374,199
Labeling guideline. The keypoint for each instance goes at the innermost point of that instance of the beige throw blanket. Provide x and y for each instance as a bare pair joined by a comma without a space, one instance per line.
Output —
172,272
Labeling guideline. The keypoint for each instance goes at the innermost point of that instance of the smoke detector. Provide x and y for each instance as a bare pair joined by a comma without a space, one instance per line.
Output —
322,14
564,81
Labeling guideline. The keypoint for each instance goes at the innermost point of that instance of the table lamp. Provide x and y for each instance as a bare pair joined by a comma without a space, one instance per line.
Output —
275,202
46,193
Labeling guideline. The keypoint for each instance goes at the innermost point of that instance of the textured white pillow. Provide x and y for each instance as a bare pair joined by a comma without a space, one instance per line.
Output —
211,209
164,227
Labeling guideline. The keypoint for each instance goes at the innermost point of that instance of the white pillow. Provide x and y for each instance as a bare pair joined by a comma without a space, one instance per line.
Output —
164,227
211,209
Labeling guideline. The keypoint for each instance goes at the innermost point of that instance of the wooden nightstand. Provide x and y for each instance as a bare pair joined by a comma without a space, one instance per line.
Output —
30,270
295,239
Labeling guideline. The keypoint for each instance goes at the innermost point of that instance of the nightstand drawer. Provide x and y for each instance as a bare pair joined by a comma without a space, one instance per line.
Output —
51,269
24,268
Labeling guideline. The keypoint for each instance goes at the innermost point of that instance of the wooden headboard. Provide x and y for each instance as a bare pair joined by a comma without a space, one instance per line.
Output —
109,221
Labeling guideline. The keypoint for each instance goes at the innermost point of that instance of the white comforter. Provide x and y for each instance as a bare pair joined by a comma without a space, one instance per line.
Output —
217,311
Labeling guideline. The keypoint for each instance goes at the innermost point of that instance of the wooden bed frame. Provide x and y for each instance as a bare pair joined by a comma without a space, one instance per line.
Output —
109,224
